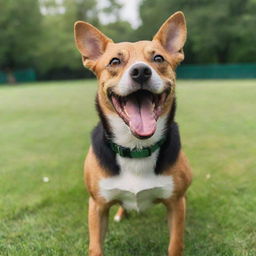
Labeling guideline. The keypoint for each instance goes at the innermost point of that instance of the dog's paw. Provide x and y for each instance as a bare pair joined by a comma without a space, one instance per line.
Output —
93,252
117,218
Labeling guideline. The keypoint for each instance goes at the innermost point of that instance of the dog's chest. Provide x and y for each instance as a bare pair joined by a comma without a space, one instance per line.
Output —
137,186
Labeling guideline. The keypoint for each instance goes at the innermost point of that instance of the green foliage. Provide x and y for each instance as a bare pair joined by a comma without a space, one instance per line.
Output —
120,31
45,131
46,42
20,26
218,31
57,49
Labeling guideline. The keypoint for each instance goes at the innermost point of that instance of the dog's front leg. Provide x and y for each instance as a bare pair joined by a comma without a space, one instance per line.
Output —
98,222
176,219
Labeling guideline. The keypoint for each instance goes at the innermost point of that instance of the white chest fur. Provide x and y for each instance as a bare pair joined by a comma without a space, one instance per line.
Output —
137,186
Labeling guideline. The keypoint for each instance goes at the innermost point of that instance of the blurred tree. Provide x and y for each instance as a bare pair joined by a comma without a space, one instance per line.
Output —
243,47
57,52
20,28
112,10
39,33
119,31
219,31
81,10
219,28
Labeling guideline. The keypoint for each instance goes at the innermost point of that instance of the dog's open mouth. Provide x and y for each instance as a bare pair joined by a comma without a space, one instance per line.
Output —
140,110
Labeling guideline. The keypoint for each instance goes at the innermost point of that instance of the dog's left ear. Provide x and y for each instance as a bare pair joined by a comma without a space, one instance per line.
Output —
172,35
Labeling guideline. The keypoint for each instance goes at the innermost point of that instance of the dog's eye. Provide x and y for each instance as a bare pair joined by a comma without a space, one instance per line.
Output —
115,62
158,58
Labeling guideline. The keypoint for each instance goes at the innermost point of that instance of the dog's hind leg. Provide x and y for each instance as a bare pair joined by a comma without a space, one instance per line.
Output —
120,214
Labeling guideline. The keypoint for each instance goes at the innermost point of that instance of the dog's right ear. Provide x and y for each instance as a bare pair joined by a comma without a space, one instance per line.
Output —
172,35
90,42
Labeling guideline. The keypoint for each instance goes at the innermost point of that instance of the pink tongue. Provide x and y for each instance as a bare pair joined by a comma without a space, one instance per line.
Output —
141,115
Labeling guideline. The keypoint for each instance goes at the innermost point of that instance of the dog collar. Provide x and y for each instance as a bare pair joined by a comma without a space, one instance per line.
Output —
136,152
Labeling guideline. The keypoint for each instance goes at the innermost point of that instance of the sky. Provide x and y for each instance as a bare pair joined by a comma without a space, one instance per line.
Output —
129,12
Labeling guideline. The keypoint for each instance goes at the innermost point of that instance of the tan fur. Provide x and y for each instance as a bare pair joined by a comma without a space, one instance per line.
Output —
97,60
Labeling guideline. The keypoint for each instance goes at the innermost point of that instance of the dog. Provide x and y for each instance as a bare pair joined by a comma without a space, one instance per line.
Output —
135,159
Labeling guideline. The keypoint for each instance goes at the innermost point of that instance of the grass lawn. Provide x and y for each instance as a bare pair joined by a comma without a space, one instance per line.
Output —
44,132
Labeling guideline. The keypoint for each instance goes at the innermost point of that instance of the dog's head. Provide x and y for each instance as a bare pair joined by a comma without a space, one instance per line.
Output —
136,80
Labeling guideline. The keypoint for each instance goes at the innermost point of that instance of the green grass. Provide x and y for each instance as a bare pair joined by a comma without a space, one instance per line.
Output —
44,131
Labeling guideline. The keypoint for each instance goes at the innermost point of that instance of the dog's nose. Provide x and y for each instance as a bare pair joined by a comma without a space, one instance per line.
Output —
140,73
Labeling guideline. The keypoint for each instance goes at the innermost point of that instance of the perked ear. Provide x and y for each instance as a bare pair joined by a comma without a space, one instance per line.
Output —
172,35
90,42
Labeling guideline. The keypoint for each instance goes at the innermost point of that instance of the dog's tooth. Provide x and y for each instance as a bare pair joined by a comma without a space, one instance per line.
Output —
158,110
126,113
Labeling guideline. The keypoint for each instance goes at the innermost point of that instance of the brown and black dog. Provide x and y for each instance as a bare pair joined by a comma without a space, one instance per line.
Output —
135,159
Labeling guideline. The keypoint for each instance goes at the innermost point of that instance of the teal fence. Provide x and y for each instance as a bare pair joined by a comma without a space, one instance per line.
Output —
3,78
210,71
213,71
25,75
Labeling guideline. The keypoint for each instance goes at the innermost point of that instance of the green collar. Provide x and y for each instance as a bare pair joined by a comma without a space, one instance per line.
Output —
136,152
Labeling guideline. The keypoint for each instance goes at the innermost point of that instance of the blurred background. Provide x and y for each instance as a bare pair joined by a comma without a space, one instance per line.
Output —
37,42
45,126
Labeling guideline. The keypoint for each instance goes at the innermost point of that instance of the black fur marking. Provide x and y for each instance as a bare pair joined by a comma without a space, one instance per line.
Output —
104,154
172,112
169,151
103,119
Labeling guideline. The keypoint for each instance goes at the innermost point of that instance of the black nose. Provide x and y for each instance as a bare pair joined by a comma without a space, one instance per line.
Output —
140,73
